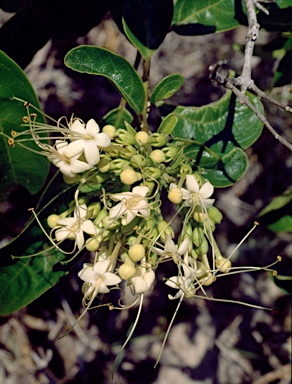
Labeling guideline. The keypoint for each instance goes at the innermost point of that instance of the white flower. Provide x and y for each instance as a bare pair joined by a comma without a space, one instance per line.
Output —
73,227
97,278
172,250
131,204
87,139
184,283
63,158
194,195
143,282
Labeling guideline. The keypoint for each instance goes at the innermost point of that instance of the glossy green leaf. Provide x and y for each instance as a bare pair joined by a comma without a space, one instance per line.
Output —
168,124
277,215
213,15
18,165
166,87
218,132
145,22
23,279
117,117
100,61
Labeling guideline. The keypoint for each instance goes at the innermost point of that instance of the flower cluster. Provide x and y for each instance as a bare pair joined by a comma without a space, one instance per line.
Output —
120,176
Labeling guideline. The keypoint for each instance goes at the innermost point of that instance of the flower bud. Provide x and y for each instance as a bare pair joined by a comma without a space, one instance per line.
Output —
170,152
158,140
175,195
186,169
208,280
110,130
102,214
138,161
92,244
224,265
157,156
93,210
142,138
129,152
124,137
198,236
155,173
110,224
165,230
127,270
52,220
199,215
129,176
137,252
119,165
104,165
214,215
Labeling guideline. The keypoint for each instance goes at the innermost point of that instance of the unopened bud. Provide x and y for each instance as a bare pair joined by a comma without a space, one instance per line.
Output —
170,152
214,215
53,220
142,138
199,215
124,137
92,244
165,230
93,210
127,270
157,156
158,140
198,236
138,161
110,130
155,173
137,252
129,176
175,195
224,265
104,165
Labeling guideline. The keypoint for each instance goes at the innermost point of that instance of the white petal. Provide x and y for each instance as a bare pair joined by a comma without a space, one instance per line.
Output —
79,239
62,234
174,282
139,284
208,202
75,148
149,277
192,184
78,126
117,211
183,247
206,190
88,227
102,140
141,190
87,274
170,245
91,153
92,128
101,266
111,279
185,193
121,196
103,288
172,185
130,216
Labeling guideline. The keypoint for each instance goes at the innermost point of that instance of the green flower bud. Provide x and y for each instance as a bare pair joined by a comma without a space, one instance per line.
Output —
129,152
157,156
155,173
92,244
199,215
224,265
208,280
186,169
102,214
127,270
142,138
214,215
125,137
93,210
138,161
158,140
164,229
175,195
110,130
198,236
170,152
129,176
104,165
119,165
52,220
137,252
110,224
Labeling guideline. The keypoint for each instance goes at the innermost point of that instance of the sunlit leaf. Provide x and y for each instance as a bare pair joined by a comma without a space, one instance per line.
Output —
100,61
166,87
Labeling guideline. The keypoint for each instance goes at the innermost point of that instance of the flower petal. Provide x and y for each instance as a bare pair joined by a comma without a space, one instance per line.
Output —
141,190
206,190
192,184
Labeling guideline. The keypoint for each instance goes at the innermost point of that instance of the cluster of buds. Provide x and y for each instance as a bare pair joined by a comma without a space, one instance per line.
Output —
117,210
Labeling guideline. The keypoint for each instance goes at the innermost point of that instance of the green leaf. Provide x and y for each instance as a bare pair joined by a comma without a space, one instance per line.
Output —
32,276
117,117
277,215
167,87
100,61
18,165
217,133
205,16
145,22
168,124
